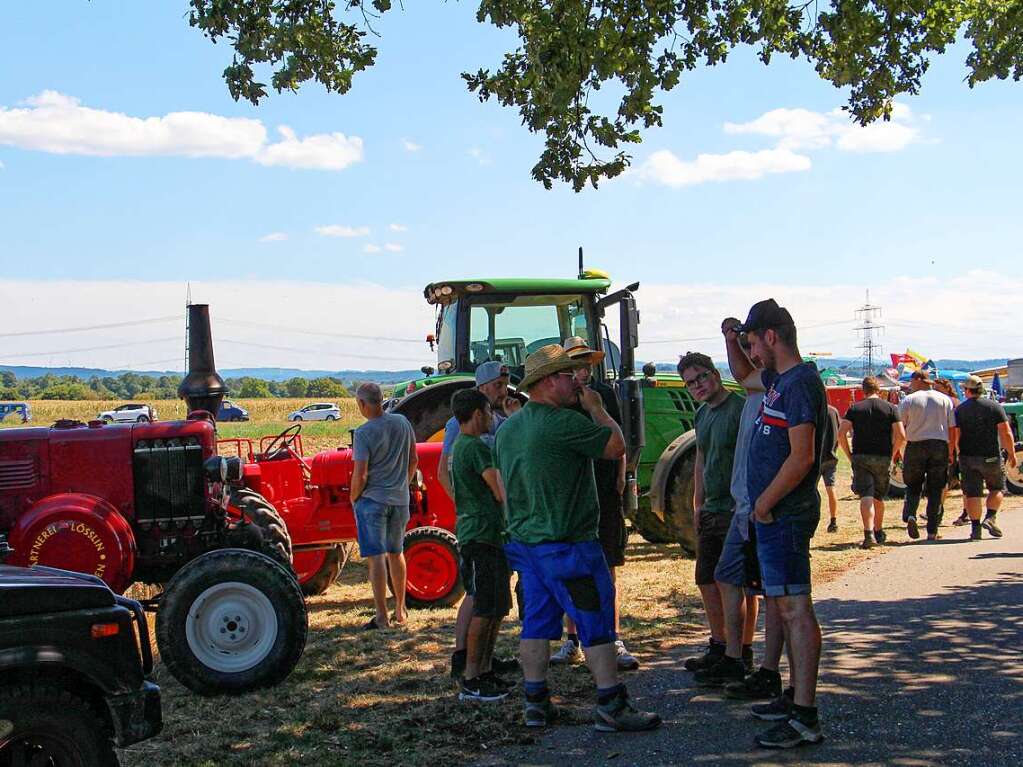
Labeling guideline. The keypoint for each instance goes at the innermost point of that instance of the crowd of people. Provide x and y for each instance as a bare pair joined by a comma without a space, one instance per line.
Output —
538,492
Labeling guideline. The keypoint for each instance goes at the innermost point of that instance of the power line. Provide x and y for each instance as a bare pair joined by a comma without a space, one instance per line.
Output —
328,334
94,348
84,328
714,338
311,351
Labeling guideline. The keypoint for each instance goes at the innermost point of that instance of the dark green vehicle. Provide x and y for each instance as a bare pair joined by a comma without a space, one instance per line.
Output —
1014,476
508,319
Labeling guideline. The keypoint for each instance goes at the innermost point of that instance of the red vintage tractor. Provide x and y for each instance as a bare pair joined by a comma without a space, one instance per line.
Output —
156,503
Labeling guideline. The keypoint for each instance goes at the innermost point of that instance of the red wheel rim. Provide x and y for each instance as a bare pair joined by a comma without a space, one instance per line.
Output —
432,571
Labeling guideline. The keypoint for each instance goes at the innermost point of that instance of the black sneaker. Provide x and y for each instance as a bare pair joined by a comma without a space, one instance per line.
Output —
992,527
620,715
540,713
482,688
503,684
747,663
457,664
762,684
912,528
880,536
868,540
962,519
976,535
833,526
778,710
504,665
789,734
714,653
724,671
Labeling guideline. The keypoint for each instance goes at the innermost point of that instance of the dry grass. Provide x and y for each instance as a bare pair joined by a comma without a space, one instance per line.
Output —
384,698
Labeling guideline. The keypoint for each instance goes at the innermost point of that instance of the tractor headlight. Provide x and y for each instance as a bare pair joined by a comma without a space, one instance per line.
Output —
215,468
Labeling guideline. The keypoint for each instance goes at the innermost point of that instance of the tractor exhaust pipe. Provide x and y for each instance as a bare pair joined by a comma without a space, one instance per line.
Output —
202,388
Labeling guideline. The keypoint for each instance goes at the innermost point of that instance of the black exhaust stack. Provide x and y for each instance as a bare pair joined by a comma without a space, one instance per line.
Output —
202,388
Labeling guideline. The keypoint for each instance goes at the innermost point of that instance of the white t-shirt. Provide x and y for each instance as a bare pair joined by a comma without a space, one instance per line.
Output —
927,414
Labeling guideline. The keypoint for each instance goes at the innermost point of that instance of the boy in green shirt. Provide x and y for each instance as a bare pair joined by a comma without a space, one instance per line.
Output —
480,531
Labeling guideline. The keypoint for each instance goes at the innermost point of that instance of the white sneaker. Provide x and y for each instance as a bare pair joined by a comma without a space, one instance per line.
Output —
626,661
569,652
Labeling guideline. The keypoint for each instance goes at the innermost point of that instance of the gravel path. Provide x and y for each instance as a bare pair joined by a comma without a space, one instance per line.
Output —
923,665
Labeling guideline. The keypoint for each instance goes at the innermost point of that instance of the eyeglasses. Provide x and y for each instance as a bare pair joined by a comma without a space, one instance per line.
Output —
697,380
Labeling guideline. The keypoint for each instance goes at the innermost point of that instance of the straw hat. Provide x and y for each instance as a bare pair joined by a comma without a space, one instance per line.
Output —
546,361
576,348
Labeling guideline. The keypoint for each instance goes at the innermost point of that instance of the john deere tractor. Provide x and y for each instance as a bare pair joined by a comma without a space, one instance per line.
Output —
508,319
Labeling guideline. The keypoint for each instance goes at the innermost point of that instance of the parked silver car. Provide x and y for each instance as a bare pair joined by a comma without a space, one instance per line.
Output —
320,411
131,413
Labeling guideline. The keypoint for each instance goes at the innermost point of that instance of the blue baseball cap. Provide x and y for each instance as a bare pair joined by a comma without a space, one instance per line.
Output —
490,371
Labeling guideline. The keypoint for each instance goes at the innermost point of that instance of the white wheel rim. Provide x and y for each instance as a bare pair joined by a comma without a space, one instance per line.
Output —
231,627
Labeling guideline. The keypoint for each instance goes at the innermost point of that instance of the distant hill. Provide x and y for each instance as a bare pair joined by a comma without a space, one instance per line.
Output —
267,374
841,363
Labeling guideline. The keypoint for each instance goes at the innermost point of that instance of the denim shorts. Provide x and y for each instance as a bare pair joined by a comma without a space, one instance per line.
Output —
828,473
738,565
560,578
379,527
783,547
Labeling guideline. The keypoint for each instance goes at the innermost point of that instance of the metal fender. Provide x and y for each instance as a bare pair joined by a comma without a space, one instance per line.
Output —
682,444
75,531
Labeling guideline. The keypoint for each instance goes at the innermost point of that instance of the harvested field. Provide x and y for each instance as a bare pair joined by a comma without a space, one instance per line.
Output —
384,698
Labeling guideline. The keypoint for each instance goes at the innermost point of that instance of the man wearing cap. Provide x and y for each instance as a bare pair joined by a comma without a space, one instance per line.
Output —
783,468
492,381
610,477
981,424
928,418
545,455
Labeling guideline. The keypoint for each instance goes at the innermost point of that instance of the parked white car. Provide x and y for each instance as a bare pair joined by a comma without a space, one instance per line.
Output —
320,411
132,413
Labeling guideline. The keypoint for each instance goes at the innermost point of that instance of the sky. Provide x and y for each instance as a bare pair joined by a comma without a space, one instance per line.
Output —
128,176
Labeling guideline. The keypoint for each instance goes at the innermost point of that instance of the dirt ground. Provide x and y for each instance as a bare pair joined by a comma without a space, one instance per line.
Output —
384,698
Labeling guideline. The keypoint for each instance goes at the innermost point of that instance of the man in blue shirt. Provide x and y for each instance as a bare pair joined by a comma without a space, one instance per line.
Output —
782,471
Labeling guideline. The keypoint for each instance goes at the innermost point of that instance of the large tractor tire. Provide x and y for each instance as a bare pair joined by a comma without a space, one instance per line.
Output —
650,526
46,725
231,621
332,562
1014,476
433,577
678,512
262,528
429,408
896,487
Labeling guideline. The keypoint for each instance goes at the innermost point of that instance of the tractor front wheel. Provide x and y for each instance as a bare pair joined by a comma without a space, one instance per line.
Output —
431,558
261,528
650,526
1014,476
332,563
678,512
231,621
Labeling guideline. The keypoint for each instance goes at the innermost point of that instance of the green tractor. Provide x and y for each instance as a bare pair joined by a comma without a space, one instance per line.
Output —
508,319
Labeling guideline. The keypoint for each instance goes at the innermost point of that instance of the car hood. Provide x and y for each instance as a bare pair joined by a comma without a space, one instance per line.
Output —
33,590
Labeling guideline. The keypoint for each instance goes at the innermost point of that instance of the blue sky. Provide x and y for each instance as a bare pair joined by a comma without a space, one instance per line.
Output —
923,212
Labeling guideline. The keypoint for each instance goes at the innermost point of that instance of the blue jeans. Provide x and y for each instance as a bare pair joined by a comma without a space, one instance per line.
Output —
380,528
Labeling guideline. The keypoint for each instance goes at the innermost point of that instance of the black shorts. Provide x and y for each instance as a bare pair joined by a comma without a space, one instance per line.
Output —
612,533
872,475
977,471
710,541
486,578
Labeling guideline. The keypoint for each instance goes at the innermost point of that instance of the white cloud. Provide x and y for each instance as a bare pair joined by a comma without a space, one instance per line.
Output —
58,124
398,228
337,230
393,247
333,151
664,167
410,146
370,248
274,237
479,155
1,165
804,129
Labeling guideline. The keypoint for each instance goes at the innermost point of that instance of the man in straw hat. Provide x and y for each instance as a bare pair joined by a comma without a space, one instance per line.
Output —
981,424
610,477
545,456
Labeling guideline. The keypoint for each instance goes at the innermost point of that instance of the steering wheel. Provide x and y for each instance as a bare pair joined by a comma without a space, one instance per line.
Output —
285,441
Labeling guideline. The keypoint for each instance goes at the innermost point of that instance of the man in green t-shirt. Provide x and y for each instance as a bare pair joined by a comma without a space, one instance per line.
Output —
545,455
480,530
717,429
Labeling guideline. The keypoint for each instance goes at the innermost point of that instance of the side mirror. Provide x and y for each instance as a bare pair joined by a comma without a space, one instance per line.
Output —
426,370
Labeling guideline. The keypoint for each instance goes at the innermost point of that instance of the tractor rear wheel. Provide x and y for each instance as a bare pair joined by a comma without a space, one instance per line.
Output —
678,512
44,724
429,408
333,563
650,526
262,528
231,621
431,558
1014,476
